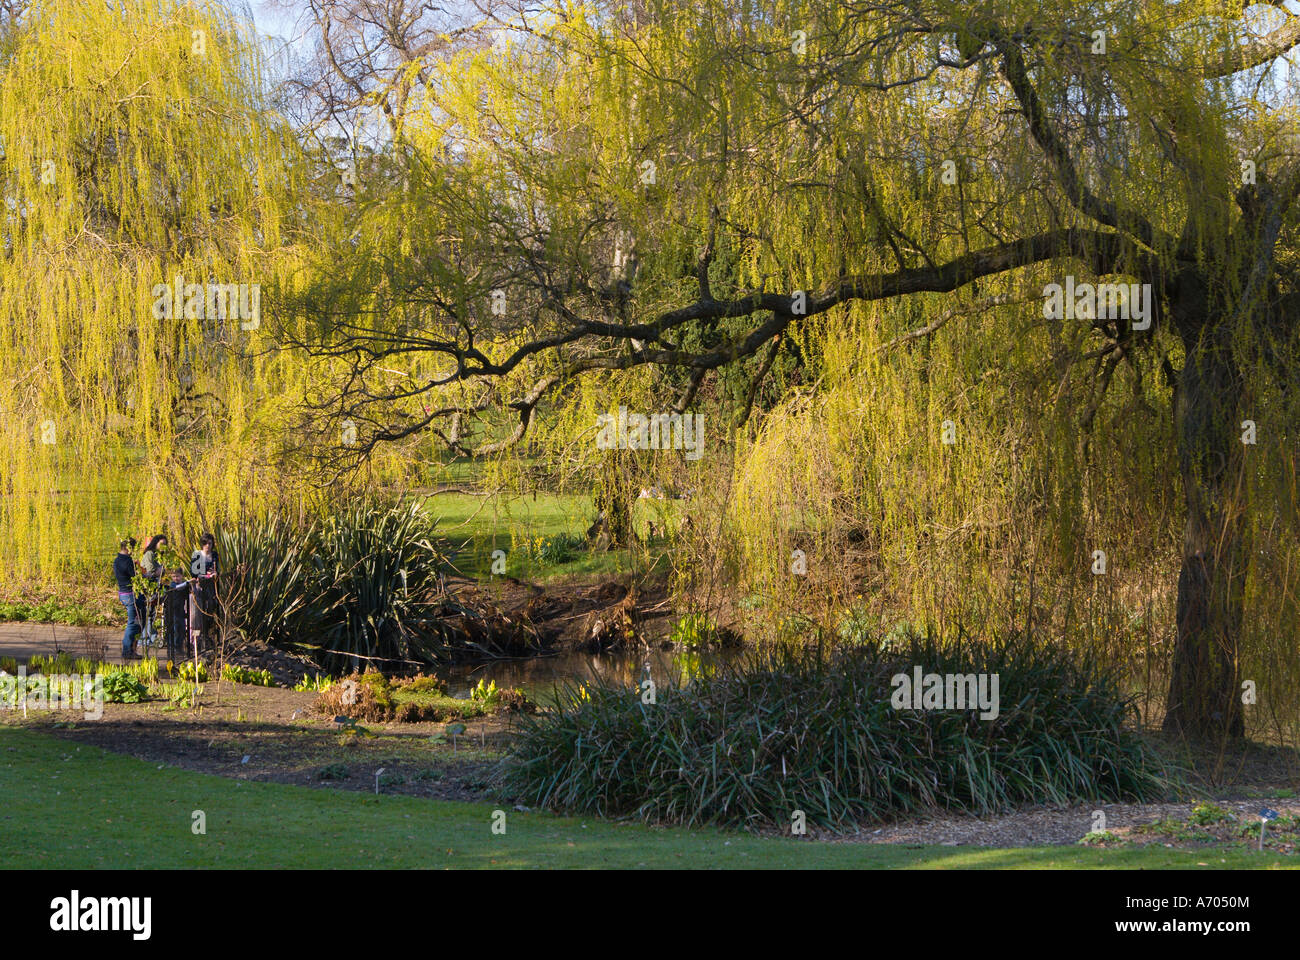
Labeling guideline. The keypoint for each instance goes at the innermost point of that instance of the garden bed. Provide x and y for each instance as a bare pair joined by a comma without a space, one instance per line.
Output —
285,741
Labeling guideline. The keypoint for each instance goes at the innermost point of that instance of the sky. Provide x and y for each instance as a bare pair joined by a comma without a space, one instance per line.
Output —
272,19
284,22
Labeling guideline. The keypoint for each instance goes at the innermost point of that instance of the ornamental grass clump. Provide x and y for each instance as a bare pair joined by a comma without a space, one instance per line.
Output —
803,728
358,586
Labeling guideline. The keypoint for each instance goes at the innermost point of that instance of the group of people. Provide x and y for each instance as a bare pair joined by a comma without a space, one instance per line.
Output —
188,602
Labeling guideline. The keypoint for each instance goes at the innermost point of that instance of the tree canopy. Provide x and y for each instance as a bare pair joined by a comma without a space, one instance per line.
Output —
833,228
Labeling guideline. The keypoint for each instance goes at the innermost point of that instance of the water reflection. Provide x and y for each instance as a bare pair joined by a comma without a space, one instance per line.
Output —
538,676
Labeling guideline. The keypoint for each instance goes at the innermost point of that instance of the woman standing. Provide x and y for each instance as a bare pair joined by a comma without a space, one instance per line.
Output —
124,573
203,561
153,571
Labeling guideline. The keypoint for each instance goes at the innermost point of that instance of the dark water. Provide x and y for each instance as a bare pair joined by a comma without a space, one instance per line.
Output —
539,676
536,676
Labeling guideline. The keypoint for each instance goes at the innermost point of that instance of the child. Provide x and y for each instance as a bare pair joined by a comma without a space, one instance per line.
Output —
176,628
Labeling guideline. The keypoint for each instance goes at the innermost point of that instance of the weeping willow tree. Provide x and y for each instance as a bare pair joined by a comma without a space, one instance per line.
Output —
881,207
146,189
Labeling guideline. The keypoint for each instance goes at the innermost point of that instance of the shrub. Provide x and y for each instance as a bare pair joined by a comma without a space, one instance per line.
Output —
1098,838
315,684
183,694
29,687
378,699
368,693
554,550
1207,814
425,684
146,670
362,583
486,692
186,671
804,729
238,674
51,611
121,687
49,665
431,705
514,700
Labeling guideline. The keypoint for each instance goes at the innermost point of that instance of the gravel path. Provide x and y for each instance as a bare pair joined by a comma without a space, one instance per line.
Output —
20,640
1040,826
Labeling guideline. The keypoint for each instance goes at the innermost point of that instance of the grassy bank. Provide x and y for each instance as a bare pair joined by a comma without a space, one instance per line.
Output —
79,807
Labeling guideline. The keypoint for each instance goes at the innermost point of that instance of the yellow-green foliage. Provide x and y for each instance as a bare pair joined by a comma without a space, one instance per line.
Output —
860,477
138,147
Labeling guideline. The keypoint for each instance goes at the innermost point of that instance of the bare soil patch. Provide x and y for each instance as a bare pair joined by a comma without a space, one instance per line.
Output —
1051,826
272,734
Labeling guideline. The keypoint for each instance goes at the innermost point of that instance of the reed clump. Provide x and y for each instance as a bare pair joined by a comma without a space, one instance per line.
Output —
813,729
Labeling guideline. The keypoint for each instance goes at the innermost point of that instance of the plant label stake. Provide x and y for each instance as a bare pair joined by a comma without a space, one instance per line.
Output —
194,640
377,773
1265,815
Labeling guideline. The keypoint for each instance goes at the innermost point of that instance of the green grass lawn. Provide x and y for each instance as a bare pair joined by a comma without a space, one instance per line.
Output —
476,526
78,807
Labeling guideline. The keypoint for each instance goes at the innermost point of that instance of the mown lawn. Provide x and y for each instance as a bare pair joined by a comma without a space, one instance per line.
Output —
78,807
473,527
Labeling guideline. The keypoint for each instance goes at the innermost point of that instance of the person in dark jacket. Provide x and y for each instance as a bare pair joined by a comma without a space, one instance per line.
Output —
205,564
124,573
176,625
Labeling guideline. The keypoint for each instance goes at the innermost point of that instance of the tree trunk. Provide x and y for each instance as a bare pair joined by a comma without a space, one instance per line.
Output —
1204,689
613,499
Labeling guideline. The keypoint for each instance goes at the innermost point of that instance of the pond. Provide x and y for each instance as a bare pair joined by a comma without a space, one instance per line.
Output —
539,676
